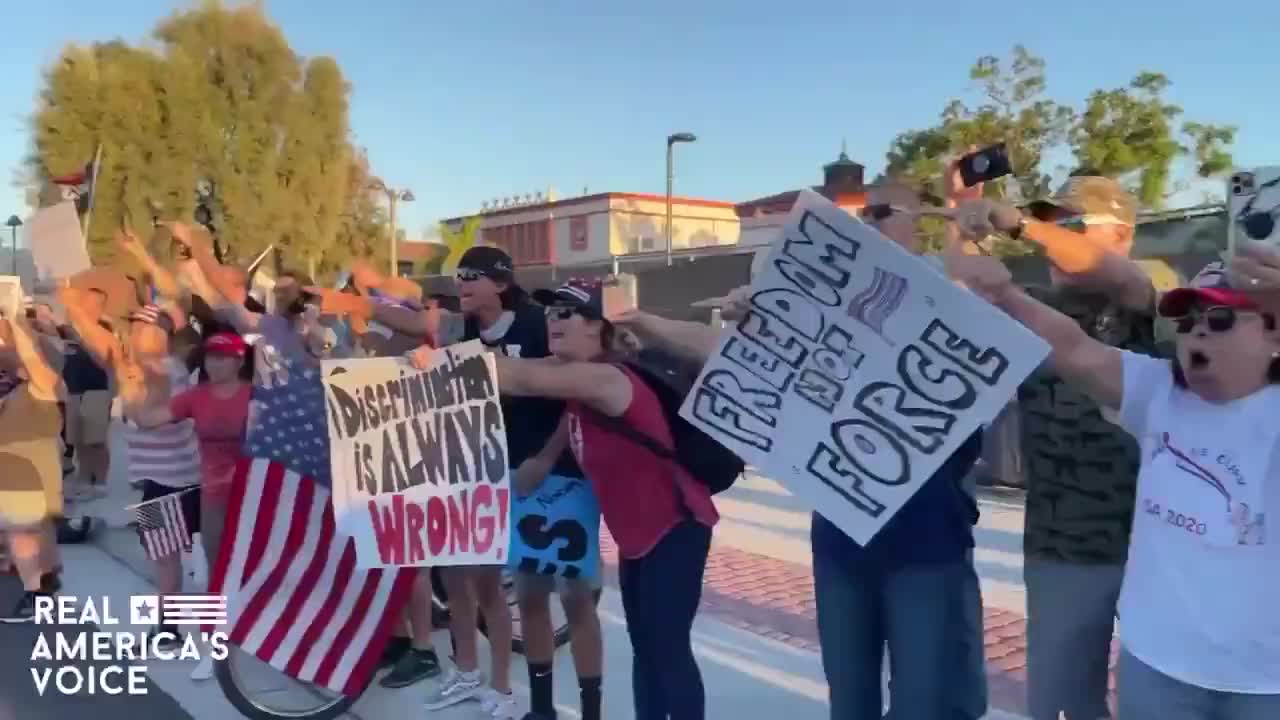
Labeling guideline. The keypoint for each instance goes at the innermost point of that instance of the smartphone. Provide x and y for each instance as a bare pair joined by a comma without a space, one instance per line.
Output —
986,164
619,294
1253,206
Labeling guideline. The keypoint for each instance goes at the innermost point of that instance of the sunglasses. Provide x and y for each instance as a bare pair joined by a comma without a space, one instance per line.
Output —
563,312
880,211
1218,319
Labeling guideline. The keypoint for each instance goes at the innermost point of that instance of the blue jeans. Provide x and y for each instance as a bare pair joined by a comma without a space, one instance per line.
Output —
929,616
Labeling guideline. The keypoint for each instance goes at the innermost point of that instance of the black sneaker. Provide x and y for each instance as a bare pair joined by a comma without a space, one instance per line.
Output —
537,716
395,649
168,642
25,610
414,666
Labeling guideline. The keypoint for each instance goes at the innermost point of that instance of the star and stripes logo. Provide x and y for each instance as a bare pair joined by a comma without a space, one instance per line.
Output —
178,609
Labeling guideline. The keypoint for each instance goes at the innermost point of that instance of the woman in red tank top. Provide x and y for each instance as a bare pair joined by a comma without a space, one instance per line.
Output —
659,516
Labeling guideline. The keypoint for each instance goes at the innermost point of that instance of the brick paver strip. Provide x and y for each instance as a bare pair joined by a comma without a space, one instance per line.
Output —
774,598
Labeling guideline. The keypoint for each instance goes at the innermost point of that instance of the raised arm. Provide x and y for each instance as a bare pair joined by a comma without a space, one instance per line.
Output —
534,470
691,341
43,378
165,282
598,385
1082,361
1091,262
201,247
100,343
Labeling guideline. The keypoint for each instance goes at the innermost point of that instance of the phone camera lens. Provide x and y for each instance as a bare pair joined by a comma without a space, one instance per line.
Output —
1259,225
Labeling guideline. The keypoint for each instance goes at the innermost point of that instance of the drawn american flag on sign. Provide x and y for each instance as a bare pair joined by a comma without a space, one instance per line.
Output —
287,424
874,306
295,598
162,526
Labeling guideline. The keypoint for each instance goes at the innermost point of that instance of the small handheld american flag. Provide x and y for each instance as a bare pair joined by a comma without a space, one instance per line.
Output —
162,526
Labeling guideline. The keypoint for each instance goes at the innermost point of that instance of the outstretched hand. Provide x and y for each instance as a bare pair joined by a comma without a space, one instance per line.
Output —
1255,268
184,235
128,241
336,302
984,275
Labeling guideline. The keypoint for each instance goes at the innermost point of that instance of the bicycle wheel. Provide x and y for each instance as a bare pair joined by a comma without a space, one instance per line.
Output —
560,625
260,692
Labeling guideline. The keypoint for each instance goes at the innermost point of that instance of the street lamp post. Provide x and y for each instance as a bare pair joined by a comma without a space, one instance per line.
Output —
14,222
683,137
394,196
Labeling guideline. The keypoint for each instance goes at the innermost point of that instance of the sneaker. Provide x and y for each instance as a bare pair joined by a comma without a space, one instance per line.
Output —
454,688
204,669
531,715
25,610
413,666
396,648
499,706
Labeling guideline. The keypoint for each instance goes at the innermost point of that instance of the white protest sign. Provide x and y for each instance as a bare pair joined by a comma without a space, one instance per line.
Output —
419,459
57,242
858,370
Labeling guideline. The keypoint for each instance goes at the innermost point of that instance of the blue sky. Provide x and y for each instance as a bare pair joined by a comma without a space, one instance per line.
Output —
464,102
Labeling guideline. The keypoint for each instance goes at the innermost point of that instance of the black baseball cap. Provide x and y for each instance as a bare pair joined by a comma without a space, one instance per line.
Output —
586,296
488,261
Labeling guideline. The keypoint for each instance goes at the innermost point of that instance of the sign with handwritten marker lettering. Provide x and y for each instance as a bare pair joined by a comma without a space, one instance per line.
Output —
858,369
419,459
556,530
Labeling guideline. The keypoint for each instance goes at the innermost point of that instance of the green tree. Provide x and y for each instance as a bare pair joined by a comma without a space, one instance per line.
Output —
218,109
1128,133
1010,107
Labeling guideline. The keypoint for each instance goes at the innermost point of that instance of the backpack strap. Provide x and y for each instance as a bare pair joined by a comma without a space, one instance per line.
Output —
622,428
618,426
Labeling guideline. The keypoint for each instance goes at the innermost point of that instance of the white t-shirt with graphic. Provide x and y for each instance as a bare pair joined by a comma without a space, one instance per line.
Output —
1201,595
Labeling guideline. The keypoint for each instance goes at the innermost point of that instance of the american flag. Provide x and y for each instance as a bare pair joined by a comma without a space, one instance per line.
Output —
873,306
295,598
288,423
161,525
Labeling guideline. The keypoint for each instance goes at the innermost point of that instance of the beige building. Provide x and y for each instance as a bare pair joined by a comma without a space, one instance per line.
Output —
595,228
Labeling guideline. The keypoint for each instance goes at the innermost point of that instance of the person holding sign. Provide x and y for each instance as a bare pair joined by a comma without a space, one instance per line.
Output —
660,516
497,311
1080,468
1199,631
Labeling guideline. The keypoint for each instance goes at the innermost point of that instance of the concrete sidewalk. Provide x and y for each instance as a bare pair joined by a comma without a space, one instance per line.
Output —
746,676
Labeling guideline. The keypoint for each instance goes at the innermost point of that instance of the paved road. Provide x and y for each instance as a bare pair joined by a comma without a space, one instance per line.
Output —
757,620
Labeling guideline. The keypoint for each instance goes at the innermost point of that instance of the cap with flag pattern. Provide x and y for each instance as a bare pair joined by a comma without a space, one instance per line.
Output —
1209,287
585,295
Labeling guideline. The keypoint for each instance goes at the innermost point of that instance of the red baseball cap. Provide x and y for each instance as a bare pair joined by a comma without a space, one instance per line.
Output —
226,343
1209,287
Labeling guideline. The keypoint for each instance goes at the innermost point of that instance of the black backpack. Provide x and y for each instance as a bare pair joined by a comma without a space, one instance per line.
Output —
670,379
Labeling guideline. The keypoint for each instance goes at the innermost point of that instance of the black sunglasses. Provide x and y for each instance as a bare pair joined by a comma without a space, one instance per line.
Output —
879,211
562,312
1218,319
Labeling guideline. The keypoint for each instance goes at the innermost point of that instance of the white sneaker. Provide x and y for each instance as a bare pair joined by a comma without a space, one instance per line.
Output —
499,706
204,669
453,688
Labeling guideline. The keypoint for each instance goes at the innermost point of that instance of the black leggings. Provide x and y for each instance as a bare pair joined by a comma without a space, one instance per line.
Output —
660,596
